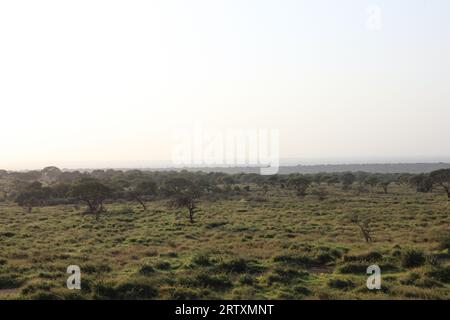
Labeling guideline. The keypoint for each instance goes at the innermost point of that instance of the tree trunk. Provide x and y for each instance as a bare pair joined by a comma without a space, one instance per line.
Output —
142,203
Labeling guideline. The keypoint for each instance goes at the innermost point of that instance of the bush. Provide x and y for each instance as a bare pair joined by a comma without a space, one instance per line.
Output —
302,290
240,266
247,280
295,260
184,294
201,260
96,268
440,274
163,265
413,258
342,284
361,267
136,289
146,270
44,295
10,282
372,256
219,282
354,268
444,242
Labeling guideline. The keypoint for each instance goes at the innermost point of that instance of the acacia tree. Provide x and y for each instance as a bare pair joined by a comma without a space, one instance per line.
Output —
441,178
93,193
363,226
372,180
143,191
384,183
347,180
300,184
421,182
33,195
184,194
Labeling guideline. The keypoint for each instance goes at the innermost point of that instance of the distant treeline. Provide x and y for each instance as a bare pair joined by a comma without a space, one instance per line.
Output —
52,186
332,168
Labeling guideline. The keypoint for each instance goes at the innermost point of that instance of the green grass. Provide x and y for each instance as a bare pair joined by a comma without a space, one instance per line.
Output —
249,246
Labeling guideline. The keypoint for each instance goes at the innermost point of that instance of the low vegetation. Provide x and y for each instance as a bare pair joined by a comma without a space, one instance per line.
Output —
195,235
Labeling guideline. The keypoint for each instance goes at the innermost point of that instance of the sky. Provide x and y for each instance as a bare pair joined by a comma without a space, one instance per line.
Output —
110,83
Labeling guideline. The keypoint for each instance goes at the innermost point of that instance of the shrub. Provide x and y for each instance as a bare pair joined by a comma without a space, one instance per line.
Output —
444,242
372,256
163,265
96,268
247,280
342,284
413,258
44,295
202,260
296,260
184,294
240,266
219,282
135,290
440,274
302,290
10,282
361,267
146,270
354,268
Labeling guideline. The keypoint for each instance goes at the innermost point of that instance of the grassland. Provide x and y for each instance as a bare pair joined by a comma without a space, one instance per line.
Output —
247,246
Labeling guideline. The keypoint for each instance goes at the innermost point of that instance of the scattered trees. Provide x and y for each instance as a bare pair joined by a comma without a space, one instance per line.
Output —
33,195
441,178
93,193
184,194
300,184
51,186
143,191
422,183
363,226
347,180
384,183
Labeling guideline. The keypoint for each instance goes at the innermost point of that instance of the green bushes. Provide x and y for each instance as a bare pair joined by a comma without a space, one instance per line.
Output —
440,274
353,268
413,258
342,284
10,281
372,256
215,282
134,289
95,268
146,270
201,260
444,242
184,294
240,266
163,265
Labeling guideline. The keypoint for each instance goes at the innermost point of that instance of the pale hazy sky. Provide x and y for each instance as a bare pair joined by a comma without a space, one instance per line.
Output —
106,83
